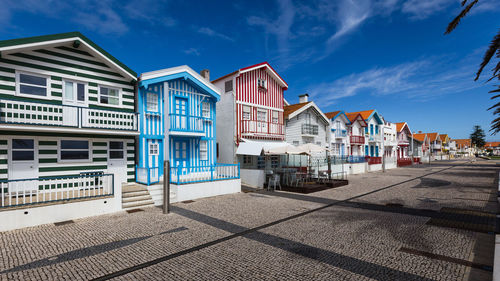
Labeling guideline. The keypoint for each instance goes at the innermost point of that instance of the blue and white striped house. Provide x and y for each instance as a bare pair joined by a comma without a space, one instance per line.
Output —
177,121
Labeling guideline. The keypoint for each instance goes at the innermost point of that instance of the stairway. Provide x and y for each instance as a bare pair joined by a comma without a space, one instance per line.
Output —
136,196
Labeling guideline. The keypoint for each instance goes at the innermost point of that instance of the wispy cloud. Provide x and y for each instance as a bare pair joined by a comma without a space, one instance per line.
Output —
192,51
421,9
418,80
212,33
101,17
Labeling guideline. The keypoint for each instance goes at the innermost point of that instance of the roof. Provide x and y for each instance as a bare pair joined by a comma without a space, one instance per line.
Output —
265,64
432,136
367,114
30,42
182,71
289,109
492,144
420,137
353,116
462,142
332,114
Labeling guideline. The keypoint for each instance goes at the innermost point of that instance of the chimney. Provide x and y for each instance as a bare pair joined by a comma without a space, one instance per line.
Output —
419,132
205,73
304,98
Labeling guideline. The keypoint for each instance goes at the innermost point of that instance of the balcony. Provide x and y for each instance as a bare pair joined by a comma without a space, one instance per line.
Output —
309,130
436,146
373,160
357,140
404,162
187,124
254,128
56,115
403,142
338,134
374,138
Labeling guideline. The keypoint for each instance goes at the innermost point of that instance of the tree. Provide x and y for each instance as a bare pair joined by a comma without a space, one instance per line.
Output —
493,48
477,137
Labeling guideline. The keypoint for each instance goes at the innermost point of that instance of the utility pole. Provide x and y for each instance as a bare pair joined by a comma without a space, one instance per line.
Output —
166,187
383,150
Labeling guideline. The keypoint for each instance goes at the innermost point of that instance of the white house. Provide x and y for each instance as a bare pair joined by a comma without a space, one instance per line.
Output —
390,145
338,133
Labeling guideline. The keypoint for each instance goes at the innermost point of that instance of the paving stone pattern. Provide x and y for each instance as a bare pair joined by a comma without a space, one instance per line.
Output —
358,239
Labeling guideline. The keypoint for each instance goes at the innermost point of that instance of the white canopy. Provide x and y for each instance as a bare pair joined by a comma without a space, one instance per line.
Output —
288,149
310,148
255,148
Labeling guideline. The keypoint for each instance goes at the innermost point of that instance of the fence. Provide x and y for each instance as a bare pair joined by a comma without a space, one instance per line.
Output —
180,122
196,174
15,193
373,160
404,162
147,175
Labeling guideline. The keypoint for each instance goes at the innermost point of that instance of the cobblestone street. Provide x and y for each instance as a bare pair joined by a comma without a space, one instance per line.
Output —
417,223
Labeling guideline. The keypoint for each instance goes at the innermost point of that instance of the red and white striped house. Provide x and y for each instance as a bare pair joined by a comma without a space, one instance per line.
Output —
249,115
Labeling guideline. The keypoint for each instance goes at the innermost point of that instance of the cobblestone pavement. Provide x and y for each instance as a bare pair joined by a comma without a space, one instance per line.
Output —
416,223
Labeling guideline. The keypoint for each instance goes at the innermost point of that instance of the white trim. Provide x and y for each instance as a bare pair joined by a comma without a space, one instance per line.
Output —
75,102
124,149
259,106
119,105
28,128
89,160
268,67
192,134
55,42
18,85
307,106
9,154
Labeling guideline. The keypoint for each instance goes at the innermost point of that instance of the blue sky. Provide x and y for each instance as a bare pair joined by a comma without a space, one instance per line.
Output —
347,54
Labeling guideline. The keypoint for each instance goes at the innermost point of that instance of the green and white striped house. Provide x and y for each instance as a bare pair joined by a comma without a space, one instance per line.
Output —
67,107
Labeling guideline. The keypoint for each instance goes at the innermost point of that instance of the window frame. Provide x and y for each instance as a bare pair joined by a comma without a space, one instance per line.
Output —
60,160
157,149
123,149
207,110
48,87
11,147
249,113
147,102
85,90
263,82
205,150
265,115
119,105
277,117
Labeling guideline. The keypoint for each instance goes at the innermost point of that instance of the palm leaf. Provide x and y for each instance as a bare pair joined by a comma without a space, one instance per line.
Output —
453,24
492,49
495,106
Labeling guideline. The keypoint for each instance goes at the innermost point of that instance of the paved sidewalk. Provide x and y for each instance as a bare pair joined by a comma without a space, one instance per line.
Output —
415,230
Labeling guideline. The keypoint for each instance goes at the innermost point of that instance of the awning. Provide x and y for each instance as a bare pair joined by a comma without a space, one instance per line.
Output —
255,147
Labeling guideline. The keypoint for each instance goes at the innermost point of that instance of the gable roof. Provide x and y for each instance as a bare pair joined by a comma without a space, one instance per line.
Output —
265,64
420,137
401,125
462,142
182,71
353,117
444,137
40,41
432,136
368,114
339,113
293,110
492,144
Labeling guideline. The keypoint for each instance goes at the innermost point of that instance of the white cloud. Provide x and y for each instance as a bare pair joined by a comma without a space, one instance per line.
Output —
421,9
103,18
192,51
210,32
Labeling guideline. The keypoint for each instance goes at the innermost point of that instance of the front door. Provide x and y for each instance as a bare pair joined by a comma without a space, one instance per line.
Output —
181,153
23,161
181,112
117,161
74,96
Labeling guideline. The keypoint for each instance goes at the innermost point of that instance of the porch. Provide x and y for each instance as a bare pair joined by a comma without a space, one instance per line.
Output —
186,175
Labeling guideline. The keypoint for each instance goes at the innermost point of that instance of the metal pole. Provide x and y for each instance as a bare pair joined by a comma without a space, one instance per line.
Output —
166,187
383,148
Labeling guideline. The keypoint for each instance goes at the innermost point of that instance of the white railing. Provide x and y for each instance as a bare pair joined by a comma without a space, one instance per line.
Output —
23,192
47,114
183,175
147,175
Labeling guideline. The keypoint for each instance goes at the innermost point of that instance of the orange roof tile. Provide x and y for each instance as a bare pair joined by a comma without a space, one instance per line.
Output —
463,142
287,110
353,116
332,114
443,137
365,114
432,136
419,137
492,144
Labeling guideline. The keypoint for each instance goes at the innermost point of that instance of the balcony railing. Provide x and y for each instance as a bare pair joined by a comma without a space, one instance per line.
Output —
47,114
404,162
436,146
184,175
262,128
374,138
309,129
339,133
26,192
373,160
187,123
357,140
147,175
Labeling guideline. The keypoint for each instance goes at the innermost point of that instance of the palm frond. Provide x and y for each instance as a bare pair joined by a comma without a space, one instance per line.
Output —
453,24
492,49
496,105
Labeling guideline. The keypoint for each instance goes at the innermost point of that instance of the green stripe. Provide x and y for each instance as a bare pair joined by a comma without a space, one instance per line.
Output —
81,67
3,151
128,103
49,134
74,51
3,141
75,168
51,160
3,171
131,151
131,180
56,54
8,88
131,158
128,97
92,99
57,78
131,173
58,70
110,108
92,84
57,86
100,151
47,143
9,79
131,144
5,69
100,159
3,161
56,94
47,151
99,144
93,91
17,98
128,90
130,166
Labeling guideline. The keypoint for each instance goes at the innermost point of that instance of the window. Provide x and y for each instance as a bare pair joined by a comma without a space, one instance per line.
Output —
153,149
261,116
247,159
296,143
366,130
116,150
262,83
205,109
109,96
376,130
74,92
318,143
228,86
74,150
23,150
275,117
203,150
246,112
371,129
152,102
34,85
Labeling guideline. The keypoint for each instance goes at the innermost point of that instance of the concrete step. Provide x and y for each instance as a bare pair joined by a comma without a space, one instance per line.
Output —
136,198
134,193
137,204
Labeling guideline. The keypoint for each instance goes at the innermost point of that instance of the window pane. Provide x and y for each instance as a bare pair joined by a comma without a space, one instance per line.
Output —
32,90
74,154
33,80
116,145
20,155
68,91
116,154
80,90
104,99
22,144
104,91
74,144
114,101
113,92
